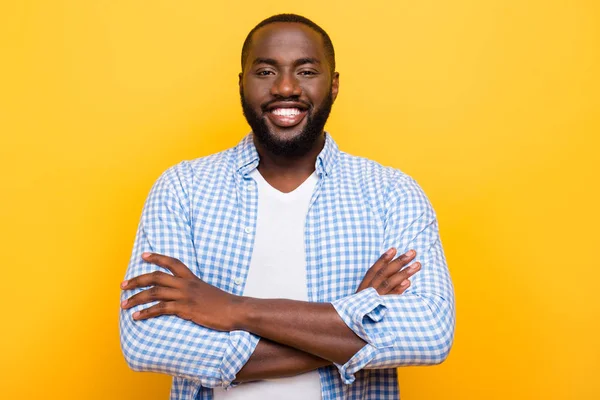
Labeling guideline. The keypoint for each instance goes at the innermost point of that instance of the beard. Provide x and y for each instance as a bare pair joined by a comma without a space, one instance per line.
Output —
302,143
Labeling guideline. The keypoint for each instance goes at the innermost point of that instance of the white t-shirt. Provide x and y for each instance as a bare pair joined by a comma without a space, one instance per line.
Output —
278,270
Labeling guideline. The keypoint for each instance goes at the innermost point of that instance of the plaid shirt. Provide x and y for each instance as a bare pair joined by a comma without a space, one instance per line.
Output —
203,212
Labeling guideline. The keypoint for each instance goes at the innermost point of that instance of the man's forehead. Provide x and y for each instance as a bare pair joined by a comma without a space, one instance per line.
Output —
287,36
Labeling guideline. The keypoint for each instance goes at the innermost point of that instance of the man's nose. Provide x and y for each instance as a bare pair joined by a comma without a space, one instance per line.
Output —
286,85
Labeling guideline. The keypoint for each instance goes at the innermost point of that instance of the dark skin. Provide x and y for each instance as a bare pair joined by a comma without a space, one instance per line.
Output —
285,59
277,67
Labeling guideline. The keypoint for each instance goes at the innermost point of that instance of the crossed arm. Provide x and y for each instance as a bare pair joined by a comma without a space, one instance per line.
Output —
297,336
229,340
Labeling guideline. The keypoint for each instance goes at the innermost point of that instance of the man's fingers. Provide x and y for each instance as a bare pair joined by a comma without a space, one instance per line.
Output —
380,263
156,278
172,264
155,293
402,261
398,279
391,268
162,308
400,288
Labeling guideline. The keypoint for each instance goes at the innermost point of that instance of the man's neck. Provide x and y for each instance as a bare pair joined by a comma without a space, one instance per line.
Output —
286,173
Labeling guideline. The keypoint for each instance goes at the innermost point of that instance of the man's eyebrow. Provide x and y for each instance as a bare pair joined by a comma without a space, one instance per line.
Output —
306,60
273,62
268,61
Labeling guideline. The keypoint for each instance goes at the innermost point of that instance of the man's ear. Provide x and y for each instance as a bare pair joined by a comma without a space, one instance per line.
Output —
240,82
335,85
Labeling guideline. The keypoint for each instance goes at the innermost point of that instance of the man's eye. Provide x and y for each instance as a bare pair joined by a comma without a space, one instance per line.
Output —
264,73
307,73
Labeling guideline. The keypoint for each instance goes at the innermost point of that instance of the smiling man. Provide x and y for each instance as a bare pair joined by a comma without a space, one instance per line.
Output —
269,270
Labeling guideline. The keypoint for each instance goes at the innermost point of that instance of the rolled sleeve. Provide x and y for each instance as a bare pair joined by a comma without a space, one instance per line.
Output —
360,312
169,344
416,327
239,349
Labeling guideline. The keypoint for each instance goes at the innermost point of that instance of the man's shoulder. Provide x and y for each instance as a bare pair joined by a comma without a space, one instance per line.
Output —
206,165
385,189
189,176
212,164
373,176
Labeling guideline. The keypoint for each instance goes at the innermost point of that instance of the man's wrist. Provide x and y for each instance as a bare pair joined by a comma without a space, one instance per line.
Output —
241,307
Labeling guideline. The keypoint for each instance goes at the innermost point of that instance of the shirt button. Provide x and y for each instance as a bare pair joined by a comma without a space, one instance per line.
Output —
249,187
238,281
248,229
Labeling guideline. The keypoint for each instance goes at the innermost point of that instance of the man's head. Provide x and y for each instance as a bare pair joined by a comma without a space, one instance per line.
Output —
292,18
288,83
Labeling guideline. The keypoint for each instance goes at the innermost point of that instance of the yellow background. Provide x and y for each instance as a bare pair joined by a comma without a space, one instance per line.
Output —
493,106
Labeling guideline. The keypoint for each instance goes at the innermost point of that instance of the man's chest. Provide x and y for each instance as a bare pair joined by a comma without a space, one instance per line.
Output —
342,234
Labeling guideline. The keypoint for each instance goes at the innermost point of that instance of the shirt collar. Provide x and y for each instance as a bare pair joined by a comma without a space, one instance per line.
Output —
247,157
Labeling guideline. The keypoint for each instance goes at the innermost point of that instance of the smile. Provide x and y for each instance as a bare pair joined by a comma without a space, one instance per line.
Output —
286,117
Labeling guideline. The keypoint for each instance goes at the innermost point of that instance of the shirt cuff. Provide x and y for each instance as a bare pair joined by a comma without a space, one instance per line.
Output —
241,346
362,312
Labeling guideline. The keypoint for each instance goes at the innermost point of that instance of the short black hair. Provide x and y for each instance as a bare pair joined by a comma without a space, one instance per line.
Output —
329,52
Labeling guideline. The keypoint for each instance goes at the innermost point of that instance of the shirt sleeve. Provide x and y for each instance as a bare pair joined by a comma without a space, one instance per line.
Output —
416,327
169,344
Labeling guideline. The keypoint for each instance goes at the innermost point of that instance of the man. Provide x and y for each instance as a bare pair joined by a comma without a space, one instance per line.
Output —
258,272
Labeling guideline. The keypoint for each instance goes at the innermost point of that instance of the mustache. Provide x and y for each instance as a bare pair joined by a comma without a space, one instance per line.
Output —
265,106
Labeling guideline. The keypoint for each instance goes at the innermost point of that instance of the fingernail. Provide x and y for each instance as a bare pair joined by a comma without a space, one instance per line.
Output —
124,284
123,303
404,283
389,252
146,254
136,314
409,253
415,266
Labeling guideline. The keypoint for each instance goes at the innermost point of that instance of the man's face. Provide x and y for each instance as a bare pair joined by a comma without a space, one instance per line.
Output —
286,88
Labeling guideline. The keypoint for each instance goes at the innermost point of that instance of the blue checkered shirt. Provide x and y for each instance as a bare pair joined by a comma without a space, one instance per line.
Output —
204,211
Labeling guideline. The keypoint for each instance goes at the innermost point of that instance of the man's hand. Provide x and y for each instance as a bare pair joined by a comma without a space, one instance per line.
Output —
182,294
390,277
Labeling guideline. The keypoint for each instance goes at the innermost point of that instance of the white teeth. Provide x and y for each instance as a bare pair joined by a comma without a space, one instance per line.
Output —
286,112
